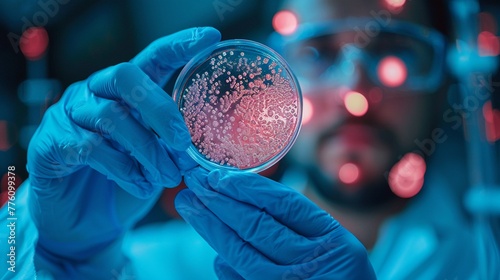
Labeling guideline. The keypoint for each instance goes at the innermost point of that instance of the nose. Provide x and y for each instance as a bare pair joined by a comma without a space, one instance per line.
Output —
361,94
354,100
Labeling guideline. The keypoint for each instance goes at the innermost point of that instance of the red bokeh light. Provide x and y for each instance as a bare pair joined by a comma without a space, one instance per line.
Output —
488,44
407,176
307,110
492,122
392,71
488,111
356,103
4,187
348,173
396,4
285,22
34,42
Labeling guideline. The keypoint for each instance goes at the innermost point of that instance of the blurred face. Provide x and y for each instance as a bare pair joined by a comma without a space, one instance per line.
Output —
362,114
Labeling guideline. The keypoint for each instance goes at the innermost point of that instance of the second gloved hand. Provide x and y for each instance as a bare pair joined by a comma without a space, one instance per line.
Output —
264,230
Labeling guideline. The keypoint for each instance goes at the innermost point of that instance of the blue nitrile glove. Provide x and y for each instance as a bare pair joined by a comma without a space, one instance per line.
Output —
264,230
102,155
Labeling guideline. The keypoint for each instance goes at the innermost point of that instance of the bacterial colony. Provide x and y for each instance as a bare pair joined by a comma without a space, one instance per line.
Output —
241,108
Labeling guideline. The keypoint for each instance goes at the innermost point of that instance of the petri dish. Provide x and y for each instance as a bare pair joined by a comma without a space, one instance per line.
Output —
242,105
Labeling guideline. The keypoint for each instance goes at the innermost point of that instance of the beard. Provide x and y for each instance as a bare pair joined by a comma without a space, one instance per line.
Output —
372,192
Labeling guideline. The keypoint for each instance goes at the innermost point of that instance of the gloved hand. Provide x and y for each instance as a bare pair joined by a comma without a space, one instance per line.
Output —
103,153
264,230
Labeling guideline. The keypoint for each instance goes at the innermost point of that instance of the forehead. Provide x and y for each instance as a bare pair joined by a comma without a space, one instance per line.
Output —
324,10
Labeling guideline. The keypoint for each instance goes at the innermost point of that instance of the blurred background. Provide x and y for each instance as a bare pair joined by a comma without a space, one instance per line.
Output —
47,45
70,39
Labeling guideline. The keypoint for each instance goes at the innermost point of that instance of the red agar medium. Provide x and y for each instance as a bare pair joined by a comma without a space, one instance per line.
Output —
241,104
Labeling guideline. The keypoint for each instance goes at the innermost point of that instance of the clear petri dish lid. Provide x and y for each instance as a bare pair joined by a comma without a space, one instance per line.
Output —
242,106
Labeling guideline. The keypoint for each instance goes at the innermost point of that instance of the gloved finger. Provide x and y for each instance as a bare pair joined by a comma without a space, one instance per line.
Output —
93,150
182,159
100,115
224,271
275,199
162,57
240,254
126,82
253,225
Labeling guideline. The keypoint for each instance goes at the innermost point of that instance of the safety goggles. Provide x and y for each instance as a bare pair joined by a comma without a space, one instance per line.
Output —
397,55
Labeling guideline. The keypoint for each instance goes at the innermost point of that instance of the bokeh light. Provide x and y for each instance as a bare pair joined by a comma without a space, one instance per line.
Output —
492,122
392,71
406,177
285,22
348,173
4,187
307,110
488,44
34,42
356,103
396,4
488,112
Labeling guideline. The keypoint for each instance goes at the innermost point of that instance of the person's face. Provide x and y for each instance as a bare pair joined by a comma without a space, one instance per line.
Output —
335,139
